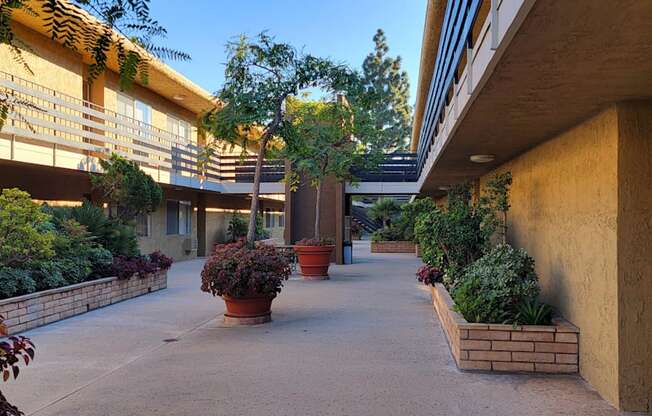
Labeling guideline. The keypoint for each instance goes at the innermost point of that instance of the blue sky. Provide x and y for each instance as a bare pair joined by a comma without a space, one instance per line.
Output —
339,29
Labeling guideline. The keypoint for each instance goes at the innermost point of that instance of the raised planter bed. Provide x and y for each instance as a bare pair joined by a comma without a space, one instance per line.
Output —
417,251
392,247
490,347
30,311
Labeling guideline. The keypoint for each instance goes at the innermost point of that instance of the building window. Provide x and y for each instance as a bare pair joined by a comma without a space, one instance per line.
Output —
179,127
281,219
143,225
179,217
269,219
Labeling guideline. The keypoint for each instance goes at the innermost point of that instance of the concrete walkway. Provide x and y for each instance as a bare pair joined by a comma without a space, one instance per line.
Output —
364,343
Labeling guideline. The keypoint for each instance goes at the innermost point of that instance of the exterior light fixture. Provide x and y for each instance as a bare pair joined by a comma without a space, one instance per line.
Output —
444,188
178,97
482,158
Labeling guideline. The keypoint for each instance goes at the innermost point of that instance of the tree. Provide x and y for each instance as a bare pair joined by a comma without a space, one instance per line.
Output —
383,90
260,76
71,23
384,209
321,141
127,188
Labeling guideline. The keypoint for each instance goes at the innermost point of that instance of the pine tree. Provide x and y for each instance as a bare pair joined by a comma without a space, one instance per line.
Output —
384,89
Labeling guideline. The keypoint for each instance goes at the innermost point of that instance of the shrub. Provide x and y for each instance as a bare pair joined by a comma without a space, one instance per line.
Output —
125,267
13,350
238,228
120,239
533,312
492,288
238,271
127,188
101,261
410,212
384,210
47,275
24,235
315,242
15,282
429,275
391,233
161,261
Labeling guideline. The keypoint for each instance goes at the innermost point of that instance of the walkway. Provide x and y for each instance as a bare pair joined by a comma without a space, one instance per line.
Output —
364,343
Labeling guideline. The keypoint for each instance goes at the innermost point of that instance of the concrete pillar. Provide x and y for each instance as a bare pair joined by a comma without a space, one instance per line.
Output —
202,249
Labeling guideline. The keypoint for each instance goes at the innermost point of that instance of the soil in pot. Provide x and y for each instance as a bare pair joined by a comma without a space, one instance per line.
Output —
314,261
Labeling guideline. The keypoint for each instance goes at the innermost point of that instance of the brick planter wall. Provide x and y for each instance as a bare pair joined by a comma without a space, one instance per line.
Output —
417,250
490,347
29,311
392,247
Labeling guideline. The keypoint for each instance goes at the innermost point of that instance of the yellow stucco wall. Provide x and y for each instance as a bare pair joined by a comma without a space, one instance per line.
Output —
564,213
53,66
634,252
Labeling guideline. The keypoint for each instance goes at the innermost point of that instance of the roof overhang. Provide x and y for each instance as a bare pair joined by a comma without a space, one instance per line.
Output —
566,62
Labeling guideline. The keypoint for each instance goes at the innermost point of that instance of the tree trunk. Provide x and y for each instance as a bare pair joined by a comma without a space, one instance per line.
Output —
318,212
251,232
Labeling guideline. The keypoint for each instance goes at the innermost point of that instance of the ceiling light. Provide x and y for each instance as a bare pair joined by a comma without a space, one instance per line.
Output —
444,188
178,97
482,158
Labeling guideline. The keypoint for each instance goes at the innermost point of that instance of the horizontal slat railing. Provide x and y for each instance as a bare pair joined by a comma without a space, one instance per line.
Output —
396,167
454,39
51,118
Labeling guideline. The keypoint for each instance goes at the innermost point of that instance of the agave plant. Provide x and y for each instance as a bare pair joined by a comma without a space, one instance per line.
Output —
533,312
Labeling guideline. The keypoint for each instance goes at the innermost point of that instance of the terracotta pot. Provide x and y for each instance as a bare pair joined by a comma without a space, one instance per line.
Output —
314,261
249,310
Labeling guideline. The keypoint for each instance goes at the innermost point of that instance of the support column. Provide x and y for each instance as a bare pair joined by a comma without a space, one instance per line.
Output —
201,225
339,208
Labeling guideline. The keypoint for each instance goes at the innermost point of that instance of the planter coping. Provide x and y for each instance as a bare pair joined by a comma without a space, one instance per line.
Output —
29,296
558,324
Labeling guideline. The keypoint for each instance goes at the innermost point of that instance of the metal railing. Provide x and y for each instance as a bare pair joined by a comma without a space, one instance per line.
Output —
454,40
395,167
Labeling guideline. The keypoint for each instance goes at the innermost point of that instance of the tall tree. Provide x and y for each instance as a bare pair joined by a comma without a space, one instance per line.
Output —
383,89
260,76
90,26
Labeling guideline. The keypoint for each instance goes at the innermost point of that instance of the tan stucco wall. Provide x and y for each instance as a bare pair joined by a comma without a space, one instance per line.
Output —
564,213
217,224
634,251
54,66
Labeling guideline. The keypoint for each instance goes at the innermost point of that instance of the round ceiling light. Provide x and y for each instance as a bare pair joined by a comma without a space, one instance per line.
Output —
178,97
482,158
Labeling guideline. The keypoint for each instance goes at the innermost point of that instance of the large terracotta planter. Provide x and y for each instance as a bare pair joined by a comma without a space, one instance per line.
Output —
314,261
250,310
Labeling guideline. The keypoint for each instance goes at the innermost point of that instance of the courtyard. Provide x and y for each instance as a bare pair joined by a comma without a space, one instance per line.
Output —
366,342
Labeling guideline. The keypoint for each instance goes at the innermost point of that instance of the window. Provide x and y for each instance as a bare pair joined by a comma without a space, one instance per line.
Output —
143,225
269,218
179,127
281,219
179,217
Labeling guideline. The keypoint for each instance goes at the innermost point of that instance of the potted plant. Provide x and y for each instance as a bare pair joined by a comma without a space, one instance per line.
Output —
248,279
323,139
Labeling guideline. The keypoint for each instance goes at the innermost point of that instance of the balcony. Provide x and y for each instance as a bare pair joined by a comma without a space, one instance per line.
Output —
50,128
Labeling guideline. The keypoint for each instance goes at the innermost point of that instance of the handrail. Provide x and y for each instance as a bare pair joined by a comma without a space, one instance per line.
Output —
455,37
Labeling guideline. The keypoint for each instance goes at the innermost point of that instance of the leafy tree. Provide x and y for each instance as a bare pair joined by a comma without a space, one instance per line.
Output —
383,90
260,76
321,141
384,210
67,22
127,188
23,233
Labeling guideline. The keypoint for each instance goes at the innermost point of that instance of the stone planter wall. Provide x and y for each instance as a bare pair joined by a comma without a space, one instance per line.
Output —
29,311
417,250
489,347
392,247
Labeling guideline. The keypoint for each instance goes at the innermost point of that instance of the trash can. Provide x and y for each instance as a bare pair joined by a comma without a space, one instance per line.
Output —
348,252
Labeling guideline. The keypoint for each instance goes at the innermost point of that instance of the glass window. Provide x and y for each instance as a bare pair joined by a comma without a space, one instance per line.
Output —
143,225
179,217
269,219
179,127
281,219
172,209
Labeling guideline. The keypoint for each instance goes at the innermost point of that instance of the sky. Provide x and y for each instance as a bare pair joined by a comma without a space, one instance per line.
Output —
338,29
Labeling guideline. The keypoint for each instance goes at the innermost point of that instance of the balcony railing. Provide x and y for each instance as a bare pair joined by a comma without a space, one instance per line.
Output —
78,132
395,167
454,40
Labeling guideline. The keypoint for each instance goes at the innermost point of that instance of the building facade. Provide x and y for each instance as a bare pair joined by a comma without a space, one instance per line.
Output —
559,94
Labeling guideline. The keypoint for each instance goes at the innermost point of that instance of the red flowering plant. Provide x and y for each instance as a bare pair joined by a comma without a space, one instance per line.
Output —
12,350
429,275
238,271
126,266
315,242
161,261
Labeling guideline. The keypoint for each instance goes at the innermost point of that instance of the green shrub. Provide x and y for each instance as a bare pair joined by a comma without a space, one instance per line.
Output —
238,228
120,239
15,282
410,212
533,312
101,261
24,234
492,288
47,275
384,210
391,233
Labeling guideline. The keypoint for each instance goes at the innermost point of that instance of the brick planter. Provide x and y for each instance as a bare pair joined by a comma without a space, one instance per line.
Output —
490,347
29,311
392,247
417,251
